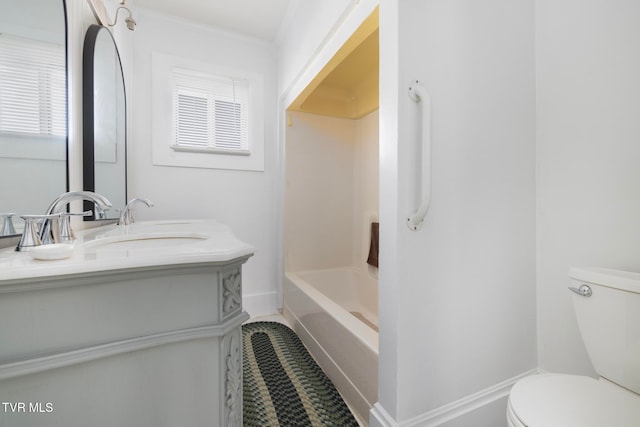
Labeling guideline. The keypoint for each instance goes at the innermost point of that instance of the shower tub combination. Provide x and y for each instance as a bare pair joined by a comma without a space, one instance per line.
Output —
334,312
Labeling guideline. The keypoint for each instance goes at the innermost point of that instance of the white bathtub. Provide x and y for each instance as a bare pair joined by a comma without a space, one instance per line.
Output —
319,305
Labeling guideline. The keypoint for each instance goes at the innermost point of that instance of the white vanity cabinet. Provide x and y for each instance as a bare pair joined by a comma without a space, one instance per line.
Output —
140,327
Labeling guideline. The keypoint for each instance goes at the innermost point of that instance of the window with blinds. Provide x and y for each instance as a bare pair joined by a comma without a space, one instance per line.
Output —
33,97
210,113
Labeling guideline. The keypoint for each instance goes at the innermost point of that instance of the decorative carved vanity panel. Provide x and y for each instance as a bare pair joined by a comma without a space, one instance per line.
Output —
126,332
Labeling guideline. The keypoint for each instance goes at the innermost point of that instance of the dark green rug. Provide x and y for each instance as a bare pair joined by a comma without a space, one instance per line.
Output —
283,386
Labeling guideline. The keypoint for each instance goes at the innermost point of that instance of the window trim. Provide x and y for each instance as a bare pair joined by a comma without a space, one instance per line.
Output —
164,150
209,150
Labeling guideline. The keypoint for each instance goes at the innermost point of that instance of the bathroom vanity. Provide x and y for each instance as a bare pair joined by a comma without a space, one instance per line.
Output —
140,326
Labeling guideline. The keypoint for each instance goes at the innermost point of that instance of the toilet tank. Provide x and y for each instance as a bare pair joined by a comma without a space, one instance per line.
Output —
609,322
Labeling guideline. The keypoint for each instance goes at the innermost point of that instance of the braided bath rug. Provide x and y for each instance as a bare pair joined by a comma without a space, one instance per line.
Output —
283,386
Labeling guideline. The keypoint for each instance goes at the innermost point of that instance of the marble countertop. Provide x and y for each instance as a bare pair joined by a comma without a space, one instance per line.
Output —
141,244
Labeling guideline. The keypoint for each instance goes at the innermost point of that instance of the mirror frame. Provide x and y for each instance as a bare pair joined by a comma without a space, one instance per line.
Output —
88,116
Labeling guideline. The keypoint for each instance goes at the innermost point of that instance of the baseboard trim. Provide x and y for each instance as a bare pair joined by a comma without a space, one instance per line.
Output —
262,304
381,418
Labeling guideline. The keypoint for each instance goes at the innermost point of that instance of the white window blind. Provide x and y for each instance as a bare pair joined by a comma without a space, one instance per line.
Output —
211,113
33,97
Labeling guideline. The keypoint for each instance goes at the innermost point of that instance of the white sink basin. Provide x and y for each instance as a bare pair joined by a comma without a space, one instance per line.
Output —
149,242
144,241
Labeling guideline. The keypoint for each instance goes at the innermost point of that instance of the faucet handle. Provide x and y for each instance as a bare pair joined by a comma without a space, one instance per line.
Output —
37,231
7,227
66,233
30,234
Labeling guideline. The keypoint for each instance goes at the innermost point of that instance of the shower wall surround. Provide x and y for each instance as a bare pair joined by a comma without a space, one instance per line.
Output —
331,199
332,190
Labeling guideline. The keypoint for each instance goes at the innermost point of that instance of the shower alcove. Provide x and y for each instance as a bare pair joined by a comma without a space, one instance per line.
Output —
331,200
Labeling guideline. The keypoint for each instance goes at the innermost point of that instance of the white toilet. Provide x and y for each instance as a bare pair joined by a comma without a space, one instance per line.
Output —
607,306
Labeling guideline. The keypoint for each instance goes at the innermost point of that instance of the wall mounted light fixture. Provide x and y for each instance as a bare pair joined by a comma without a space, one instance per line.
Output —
131,23
101,14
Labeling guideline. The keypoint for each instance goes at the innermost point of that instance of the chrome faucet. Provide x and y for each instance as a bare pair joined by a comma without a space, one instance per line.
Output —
127,215
58,205
56,230
54,226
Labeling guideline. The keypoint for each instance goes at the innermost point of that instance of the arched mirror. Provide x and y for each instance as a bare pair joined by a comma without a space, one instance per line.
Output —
104,121
33,108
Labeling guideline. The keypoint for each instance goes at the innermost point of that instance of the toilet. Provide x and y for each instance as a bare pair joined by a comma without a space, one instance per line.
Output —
607,307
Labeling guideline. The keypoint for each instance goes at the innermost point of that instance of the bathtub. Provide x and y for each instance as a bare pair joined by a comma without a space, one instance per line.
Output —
335,314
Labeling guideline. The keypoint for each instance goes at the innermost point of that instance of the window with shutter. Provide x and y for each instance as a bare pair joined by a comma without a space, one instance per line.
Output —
208,115
211,113
32,87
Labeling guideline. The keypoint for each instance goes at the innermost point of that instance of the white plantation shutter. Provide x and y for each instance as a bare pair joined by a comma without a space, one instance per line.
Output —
192,119
32,87
210,113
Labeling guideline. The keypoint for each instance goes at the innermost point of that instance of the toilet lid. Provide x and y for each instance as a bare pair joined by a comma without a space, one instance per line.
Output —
554,400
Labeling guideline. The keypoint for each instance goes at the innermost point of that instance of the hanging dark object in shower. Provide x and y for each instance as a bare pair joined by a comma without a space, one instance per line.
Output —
373,246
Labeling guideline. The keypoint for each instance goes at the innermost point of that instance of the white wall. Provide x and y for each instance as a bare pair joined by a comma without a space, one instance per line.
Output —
588,146
457,299
243,200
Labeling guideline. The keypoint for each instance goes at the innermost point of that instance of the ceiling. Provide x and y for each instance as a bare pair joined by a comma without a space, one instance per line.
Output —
256,18
347,86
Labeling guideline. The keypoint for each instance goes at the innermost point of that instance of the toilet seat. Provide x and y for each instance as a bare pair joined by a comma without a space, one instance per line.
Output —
512,418
552,400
